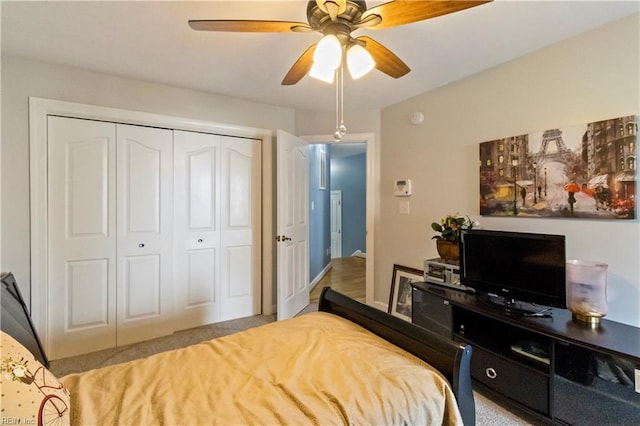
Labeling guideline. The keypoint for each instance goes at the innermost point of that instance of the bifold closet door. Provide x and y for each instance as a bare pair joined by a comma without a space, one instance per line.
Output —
145,235
197,228
122,269
82,236
240,241
217,184
110,243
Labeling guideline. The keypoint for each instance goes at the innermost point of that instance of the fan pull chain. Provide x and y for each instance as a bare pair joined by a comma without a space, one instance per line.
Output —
336,134
341,129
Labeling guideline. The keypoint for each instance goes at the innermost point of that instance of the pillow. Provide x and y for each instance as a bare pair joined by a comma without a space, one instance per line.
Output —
31,394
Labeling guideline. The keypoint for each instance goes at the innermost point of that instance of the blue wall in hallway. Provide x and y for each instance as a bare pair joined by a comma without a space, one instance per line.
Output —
348,174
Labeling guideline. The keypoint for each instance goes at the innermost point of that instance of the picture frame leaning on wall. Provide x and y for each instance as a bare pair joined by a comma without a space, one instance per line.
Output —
400,296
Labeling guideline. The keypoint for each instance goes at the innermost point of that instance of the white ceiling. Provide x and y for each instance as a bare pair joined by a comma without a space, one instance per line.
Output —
151,40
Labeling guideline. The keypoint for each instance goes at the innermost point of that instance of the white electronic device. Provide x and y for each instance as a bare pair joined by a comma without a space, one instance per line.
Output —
402,187
442,272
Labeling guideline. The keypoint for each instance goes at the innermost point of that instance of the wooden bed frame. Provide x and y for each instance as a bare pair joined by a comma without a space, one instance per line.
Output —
451,359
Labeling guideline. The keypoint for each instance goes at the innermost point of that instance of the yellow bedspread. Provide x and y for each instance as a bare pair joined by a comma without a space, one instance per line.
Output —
314,369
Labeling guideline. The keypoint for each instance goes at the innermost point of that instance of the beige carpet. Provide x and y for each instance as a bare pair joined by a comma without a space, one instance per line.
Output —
487,411
176,340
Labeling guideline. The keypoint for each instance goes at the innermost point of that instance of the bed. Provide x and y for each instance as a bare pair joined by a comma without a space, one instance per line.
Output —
348,363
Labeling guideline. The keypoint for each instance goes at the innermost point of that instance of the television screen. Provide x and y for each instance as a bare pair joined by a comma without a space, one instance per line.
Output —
519,266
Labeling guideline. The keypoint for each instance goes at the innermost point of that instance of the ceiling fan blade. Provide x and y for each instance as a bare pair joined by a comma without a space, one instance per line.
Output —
386,60
368,21
241,26
401,12
300,68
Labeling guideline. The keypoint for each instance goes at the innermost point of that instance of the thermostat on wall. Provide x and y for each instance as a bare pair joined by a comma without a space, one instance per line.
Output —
402,188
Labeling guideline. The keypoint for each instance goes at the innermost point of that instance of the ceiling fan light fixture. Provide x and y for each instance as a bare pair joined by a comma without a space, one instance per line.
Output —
336,20
359,61
328,52
320,72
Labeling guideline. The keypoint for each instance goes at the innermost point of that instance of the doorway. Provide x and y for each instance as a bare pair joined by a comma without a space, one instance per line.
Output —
348,177
367,141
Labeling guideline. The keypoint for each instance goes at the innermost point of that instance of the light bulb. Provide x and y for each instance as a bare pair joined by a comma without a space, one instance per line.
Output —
322,73
336,135
359,61
326,58
328,52
342,129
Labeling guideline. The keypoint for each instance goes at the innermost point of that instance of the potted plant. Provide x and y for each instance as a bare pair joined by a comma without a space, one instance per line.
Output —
448,237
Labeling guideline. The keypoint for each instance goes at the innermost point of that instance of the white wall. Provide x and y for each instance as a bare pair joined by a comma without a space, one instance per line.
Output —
22,78
324,123
592,77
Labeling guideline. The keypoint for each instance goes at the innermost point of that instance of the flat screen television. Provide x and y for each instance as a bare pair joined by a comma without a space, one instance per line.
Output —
516,266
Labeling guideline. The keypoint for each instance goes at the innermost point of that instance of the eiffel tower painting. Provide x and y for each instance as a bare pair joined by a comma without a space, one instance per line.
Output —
584,171
546,153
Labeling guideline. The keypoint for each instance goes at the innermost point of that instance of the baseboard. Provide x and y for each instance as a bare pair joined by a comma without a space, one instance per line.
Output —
322,273
359,253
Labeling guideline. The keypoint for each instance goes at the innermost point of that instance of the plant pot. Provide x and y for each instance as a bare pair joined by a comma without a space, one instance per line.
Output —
448,250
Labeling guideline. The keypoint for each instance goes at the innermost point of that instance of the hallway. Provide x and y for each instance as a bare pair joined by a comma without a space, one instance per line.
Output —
347,275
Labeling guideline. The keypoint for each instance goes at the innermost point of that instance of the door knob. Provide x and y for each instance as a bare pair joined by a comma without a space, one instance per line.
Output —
199,240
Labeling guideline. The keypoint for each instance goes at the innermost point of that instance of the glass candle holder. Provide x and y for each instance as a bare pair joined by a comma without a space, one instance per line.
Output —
587,290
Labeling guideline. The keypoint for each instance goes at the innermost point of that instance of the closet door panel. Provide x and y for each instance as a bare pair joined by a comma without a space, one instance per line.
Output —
87,201
82,236
87,289
197,228
240,228
239,189
142,171
239,260
142,288
200,280
145,215
200,180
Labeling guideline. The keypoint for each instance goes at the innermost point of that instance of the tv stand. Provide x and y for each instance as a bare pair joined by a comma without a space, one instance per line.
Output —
550,367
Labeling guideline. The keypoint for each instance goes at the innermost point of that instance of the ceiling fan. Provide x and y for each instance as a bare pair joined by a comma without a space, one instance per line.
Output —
336,20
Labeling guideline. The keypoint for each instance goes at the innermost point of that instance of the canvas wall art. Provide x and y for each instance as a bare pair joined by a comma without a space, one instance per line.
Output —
586,171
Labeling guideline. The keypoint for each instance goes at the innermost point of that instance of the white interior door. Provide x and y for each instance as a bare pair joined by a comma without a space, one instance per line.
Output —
217,183
82,236
292,224
197,228
240,216
336,224
145,238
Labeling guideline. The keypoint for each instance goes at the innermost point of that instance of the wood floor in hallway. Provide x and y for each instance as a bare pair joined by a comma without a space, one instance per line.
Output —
347,275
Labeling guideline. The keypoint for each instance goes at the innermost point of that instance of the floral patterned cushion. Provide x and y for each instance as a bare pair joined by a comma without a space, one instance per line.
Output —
31,394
